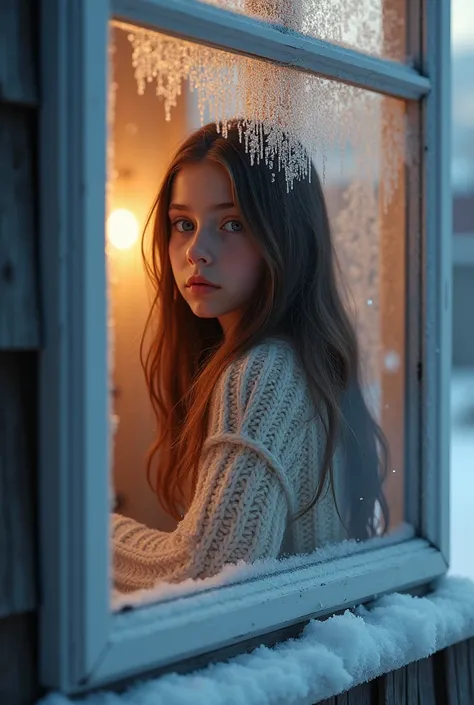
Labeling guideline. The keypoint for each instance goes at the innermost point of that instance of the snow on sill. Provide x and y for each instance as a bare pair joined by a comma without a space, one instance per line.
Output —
328,658
242,572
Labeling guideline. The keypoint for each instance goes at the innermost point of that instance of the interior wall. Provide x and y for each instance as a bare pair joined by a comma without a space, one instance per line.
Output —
143,145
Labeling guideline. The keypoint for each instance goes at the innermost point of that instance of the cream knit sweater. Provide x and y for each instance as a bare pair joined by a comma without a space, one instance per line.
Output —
259,466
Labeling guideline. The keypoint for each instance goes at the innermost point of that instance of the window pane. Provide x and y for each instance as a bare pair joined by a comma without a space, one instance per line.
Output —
162,90
462,383
376,27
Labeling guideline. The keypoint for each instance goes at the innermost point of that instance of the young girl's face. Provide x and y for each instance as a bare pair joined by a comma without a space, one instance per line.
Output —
209,241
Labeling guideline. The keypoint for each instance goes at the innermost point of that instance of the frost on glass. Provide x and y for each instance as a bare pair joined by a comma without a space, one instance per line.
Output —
373,26
288,114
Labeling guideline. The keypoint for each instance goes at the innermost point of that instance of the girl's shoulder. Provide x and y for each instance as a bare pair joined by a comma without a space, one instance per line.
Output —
265,374
260,392
271,357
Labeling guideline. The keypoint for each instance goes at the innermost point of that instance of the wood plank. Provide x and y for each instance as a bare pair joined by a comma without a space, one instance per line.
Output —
360,695
426,684
19,312
466,694
17,483
363,694
17,52
446,678
458,677
394,688
18,660
411,683
450,673
470,664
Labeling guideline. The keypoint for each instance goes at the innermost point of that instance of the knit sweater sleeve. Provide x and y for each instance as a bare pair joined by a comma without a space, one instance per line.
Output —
243,495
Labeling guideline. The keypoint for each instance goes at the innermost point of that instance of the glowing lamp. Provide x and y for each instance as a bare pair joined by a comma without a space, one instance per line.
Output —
122,229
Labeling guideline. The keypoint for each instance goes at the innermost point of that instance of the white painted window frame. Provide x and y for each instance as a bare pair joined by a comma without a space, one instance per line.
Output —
83,645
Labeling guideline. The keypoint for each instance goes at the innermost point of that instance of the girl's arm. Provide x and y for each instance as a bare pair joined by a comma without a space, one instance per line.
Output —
242,498
239,513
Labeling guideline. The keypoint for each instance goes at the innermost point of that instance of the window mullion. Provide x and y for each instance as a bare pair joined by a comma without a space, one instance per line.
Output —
437,273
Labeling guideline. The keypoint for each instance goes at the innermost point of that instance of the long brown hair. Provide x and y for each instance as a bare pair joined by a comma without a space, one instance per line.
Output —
299,299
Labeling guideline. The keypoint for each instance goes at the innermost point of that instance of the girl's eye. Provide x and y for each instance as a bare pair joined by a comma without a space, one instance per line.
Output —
183,226
233,226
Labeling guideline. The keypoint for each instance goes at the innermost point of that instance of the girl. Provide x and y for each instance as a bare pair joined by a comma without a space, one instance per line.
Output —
267,446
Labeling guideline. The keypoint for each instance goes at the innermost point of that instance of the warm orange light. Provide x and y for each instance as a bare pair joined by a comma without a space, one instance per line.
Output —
122,229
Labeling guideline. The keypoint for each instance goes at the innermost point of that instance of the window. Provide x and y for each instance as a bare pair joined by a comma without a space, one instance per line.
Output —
383,116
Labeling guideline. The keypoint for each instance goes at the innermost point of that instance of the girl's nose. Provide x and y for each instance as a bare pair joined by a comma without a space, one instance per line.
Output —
199,249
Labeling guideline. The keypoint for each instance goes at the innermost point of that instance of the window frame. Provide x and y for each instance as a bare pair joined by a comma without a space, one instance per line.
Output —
82,644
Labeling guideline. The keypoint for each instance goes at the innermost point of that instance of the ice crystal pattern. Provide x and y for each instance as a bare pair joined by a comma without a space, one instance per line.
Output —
287,117
375,27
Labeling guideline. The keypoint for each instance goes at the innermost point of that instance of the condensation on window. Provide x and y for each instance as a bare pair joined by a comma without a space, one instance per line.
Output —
374,27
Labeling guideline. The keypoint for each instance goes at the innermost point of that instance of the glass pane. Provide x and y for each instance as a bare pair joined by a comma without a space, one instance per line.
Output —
462,463
161,91
375,27
462,383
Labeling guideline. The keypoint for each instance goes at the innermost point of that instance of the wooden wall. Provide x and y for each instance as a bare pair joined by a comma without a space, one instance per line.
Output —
447,678
19,346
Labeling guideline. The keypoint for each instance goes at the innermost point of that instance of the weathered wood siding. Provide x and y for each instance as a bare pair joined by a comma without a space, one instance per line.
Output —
19,345
447,678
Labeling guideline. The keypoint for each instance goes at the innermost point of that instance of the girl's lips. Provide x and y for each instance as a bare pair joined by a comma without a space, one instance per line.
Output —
203,288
